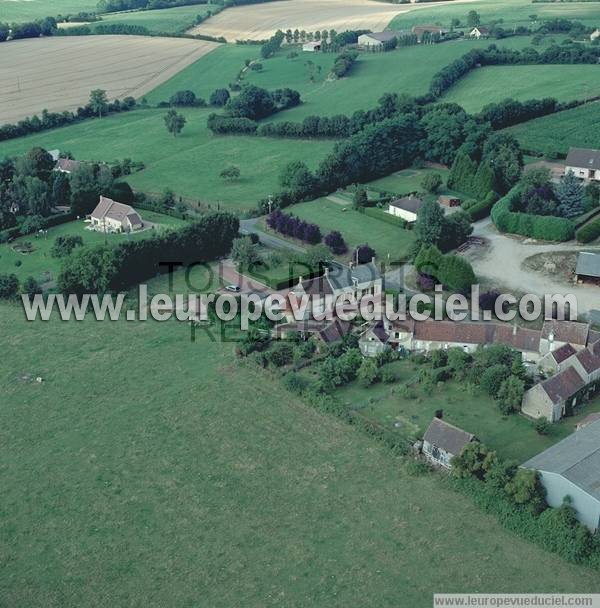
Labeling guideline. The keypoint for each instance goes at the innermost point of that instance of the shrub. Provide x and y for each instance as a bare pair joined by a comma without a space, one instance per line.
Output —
219,97
335,241
294,383
9,286
542,426
589,232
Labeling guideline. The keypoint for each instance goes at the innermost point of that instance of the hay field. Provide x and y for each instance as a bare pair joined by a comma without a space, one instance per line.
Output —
59,73
259,21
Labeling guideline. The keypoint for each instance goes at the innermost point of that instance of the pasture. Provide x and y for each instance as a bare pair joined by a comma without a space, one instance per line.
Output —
58,73
126,487
522,82
356,228
14,11
189,164
572,128
44,268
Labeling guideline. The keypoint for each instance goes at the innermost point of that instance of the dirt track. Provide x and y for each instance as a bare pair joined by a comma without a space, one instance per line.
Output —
259,21
59,73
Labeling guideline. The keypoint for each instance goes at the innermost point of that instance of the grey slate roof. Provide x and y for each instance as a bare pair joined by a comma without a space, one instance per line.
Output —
563,385
588,264
576,458
447,437
584,158
116,211
408,203
385,36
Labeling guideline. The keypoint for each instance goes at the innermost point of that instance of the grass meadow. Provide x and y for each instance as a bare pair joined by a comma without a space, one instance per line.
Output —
522,82
148,469
578,127
188,164
28,10
40,265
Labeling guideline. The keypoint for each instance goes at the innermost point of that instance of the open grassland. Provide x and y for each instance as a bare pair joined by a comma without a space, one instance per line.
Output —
40,265
188,164
260,21
489,84
355,227
28,10
513,437
59,73
578,127
164,21
159,472
511,13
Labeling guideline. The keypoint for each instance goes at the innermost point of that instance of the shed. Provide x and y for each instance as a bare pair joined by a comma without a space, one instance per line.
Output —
443,441
588,267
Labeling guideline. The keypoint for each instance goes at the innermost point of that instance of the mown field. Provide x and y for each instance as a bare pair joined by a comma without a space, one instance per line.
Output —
26,10
511,13
355,227
577,127
188,164
150,470
40,265
163,21
487,85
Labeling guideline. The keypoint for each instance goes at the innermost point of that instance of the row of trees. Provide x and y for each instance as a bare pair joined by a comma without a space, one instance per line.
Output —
290,225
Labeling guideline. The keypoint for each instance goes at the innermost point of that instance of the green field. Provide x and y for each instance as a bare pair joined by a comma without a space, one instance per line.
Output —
163,21
144,471
27,10
40,265
577,127
521,82
356,228
188,164
513,437
510,13
408,180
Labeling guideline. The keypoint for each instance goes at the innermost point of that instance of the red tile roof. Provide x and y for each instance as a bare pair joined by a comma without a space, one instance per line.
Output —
567,331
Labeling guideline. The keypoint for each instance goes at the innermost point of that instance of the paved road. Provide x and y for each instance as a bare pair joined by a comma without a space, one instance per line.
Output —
252,225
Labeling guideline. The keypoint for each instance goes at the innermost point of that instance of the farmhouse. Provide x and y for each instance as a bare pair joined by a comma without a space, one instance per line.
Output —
407,208
479,32
66,165
424,31
572,468
312,46
443,441
376,40
584,163
110,216
588,267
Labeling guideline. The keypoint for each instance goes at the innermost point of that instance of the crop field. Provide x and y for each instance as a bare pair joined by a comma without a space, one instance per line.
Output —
572,128
260,21
126,488
162,21
27,10
59,73
188,164
511,13
355,227
563,82
44,268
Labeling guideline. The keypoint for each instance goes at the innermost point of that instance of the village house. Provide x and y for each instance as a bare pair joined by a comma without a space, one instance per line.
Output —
571,468
432,30
479,32
377,40
558,333
110,216
312,46
588,267
584,163
66,165
443,441
374,340
407,208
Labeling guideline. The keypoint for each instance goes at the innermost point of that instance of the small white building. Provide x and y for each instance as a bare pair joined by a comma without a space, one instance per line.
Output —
376,40
595,35
479,32
407,208
312,46
110,216
443,441
584,163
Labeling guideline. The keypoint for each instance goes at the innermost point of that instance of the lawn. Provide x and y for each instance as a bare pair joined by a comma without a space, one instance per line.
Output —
28,10
513,437
188,164
40,265
407,181
563,82
150,470
510,13
162,21
577,127
355,227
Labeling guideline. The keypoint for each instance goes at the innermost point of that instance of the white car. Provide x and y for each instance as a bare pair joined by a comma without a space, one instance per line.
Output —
234,288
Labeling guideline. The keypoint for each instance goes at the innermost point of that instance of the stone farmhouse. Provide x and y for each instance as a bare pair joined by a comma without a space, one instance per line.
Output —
584,163
110,216
571,468
443,441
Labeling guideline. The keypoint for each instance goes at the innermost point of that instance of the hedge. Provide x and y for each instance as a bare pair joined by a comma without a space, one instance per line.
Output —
479,210
589,232
543,227
379,214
